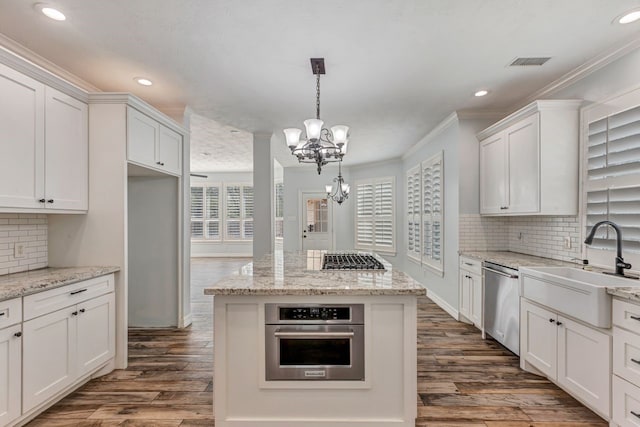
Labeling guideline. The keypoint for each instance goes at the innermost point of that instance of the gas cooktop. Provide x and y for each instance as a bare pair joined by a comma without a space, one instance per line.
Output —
354,261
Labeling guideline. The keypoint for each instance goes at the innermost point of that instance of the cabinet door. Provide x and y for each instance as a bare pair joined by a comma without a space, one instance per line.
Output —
523,148
538,338
10,369
21,140
475,282
493,175
96,333
584,361
142,138
48,363
465,295
170,151
66,152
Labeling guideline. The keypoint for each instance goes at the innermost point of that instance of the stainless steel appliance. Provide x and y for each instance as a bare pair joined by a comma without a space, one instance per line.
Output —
351,261
314,342
502,305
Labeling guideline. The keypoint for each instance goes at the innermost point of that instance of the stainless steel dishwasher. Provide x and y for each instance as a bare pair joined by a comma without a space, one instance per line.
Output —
502,305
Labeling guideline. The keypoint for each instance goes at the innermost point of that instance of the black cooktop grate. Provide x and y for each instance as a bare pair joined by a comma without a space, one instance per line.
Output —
351,262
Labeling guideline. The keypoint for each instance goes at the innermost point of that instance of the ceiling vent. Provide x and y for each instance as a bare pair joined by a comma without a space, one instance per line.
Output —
528,61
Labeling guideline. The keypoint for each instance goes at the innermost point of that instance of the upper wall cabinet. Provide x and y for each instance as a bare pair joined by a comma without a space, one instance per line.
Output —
152,144
529,161
43,147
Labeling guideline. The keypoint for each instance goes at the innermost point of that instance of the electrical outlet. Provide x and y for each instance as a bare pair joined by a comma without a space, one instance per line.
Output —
567,242
19,250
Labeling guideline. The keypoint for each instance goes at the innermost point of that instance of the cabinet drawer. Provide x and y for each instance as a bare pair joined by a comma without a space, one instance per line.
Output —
626,315
48,301
626,355
10,312
626,403
471,265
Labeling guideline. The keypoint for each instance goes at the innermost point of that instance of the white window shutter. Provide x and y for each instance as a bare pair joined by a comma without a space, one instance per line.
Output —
432,212
375,215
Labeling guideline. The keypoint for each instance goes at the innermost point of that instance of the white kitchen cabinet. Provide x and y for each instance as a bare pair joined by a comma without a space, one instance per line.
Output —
10,368
471,290
152,144
66,152
62,346
558,347
626,364
529,161
43,147
21,140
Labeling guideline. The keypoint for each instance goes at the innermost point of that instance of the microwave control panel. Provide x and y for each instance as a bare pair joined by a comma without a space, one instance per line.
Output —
315,313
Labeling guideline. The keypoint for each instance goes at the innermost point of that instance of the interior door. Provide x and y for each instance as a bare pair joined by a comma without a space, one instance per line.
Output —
317,227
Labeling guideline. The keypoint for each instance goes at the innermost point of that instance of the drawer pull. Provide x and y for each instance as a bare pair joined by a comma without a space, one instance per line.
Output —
635,318
77,292
636,361
3,314
635,414
469,263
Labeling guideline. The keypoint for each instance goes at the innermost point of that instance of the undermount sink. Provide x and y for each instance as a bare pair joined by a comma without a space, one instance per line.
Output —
572,291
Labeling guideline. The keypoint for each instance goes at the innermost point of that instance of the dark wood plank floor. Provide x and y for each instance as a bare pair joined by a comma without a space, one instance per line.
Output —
463,380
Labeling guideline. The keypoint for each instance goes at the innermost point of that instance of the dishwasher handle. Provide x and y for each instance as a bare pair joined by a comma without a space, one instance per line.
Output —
491,270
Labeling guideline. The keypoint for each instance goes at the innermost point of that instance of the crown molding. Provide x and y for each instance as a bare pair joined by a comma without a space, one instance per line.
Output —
591,66
481,114
140,105
14,55
450,120
526,111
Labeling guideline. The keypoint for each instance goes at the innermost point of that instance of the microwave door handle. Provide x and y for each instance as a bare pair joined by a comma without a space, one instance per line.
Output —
491,270
280,334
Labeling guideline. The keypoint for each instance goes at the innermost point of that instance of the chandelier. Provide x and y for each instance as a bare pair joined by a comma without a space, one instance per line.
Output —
320,145
341,192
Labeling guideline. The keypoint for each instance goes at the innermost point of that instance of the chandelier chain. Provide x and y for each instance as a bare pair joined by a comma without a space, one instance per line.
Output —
317,93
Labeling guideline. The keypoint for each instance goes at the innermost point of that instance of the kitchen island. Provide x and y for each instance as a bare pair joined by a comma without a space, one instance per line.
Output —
297,345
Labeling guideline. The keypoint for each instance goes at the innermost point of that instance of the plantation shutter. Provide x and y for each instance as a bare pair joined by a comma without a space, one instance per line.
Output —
233,212
247,212
432,212
375,215
197,212
279,194
364,215
213,213
383,215
413,213
613,178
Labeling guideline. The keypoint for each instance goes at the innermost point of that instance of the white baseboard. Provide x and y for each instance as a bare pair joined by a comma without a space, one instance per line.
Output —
187,320
443,304
222,255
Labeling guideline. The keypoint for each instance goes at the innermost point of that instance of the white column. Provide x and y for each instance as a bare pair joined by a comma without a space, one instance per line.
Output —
262,195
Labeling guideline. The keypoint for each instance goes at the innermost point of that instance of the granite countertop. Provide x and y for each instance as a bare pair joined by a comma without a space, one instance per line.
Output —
299,273
516,260
30,282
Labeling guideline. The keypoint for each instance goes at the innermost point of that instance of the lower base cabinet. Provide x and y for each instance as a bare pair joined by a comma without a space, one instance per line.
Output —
10,368
63,346
575,356
626,403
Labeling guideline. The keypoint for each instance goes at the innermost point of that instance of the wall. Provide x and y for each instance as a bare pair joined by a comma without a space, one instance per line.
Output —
305,179
30,229
200,248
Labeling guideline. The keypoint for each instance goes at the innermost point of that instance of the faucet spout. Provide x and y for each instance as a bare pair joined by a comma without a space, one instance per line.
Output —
620,264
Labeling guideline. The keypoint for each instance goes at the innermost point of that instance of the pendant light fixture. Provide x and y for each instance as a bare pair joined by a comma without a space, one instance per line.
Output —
341,192
320,145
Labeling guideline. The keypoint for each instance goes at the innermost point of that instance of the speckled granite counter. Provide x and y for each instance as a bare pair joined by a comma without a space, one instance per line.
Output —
30,282
516,260
630,293
299,273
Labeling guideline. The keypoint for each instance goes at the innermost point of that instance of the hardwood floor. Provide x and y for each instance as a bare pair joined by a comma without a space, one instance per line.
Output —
463,380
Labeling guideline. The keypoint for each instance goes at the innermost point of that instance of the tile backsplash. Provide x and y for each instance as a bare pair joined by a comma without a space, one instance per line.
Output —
543,236
29,229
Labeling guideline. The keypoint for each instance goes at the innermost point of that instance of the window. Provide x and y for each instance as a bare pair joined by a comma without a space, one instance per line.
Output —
425,213
207,208
414,221
612,183
279,196
375,215
432,218
238,212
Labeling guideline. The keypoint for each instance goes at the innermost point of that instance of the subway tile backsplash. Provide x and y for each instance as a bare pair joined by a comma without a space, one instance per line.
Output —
30,229
543,236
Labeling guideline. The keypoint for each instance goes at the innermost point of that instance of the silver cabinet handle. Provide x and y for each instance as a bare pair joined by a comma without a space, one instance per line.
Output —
313,334
469,263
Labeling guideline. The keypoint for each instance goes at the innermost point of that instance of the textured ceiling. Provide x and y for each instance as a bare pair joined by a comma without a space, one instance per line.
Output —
395,68
219,148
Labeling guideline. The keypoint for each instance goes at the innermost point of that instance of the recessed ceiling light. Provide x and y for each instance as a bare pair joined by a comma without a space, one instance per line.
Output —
50,12
629,17
482,92
143,81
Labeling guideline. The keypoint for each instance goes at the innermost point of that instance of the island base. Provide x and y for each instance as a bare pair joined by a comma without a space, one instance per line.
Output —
244,398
